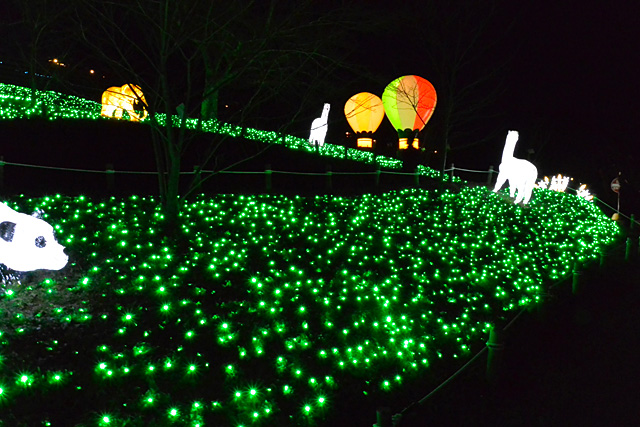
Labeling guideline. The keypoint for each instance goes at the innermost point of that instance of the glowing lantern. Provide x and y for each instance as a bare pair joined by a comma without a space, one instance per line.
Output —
27,242
409,102
364,112
115,100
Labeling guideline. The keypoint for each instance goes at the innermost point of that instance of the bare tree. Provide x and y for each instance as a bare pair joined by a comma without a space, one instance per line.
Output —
30,44
184,55
455,45
460,49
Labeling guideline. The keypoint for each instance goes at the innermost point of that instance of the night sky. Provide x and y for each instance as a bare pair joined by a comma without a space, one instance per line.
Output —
574,75
570,88
569,85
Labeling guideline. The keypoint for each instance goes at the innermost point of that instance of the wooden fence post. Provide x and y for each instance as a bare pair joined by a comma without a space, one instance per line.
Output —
627,252
416,175
111,184
452,169
267,178
329,179
575,282
494,359
490,177
197,180
377,177
383,417
1,172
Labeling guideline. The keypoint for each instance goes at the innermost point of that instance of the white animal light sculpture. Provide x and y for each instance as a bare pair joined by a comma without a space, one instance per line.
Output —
319,127
584,192
543,183
520,173
559,183
27,242
116,100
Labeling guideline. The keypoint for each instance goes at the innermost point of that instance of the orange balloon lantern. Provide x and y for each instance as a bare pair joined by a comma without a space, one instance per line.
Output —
364,112
409,102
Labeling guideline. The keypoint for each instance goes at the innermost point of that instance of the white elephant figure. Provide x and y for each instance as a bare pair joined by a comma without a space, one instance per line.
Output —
115,100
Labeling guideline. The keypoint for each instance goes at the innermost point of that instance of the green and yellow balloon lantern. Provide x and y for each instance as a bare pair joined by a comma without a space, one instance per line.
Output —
409,102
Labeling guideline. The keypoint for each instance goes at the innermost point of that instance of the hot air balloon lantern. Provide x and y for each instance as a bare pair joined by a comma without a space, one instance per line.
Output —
409,102
364,113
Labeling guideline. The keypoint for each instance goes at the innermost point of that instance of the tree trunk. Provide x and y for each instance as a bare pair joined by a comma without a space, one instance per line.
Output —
209,107
172,185
172,198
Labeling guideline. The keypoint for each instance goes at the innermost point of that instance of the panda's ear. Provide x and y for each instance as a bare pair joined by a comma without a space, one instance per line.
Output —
38,213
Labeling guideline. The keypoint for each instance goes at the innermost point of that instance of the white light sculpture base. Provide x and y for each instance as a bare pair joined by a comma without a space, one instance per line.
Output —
27,242
520,173
319,127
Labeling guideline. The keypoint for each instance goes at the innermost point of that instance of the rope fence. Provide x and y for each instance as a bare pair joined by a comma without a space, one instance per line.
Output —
111,172
345,181
108,170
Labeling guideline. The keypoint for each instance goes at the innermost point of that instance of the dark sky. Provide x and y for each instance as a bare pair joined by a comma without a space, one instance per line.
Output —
571,85
575,74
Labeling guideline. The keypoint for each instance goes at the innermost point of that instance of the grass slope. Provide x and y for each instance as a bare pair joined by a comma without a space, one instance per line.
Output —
271,309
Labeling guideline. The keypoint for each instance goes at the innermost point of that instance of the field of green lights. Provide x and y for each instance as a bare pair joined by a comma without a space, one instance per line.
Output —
269,308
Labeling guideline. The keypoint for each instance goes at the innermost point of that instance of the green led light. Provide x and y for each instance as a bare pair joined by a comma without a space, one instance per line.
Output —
307,294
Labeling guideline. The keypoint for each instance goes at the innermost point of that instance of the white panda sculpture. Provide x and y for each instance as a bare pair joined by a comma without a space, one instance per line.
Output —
27,242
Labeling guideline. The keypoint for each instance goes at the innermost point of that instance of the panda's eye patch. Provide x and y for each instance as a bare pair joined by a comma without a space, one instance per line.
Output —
6,231
41,242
